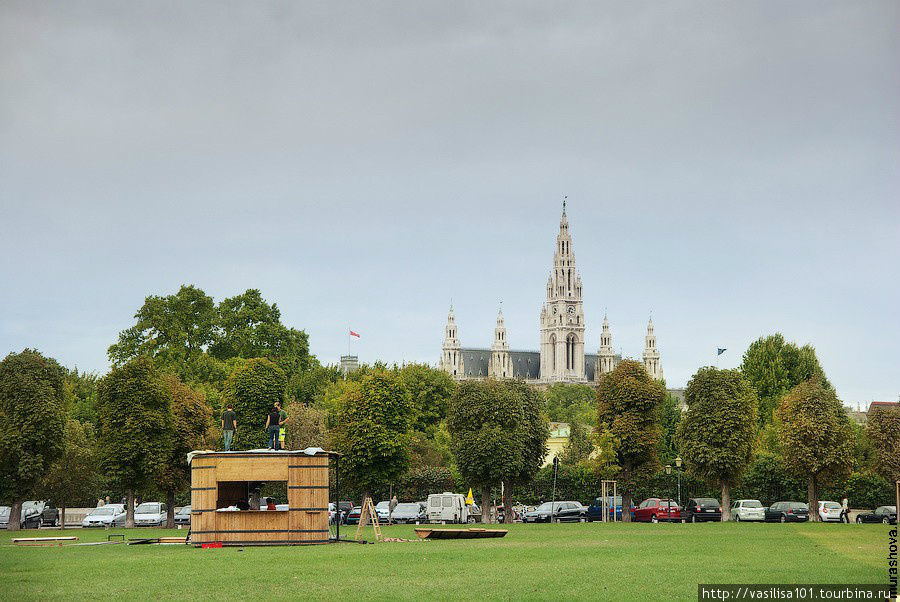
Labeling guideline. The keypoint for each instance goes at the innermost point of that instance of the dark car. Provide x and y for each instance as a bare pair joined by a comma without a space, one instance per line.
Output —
352,517
702,509
882,514
345,508
656,510
787,512
562,512
32,514
410,512
595,510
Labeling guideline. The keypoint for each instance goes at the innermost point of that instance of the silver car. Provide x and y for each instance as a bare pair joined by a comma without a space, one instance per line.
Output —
748,510
110,515
150,514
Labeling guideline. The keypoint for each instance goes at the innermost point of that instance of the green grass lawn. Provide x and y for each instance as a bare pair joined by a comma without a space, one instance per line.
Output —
570,561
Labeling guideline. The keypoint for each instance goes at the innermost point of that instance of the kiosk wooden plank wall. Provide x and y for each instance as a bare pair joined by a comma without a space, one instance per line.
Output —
219,479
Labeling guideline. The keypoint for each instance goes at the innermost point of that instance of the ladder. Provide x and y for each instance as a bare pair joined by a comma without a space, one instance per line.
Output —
366,515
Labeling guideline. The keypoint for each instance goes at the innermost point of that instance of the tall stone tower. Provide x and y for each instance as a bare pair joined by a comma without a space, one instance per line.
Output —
500,365
562,316
606,359
451,356
651,354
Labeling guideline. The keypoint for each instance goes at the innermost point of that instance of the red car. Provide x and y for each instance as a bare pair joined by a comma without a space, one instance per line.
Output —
654,510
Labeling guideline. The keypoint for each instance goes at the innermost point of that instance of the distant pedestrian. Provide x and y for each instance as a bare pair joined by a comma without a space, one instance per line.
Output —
272,427
392,504
100,502
845,510
229,425
108,501
282,421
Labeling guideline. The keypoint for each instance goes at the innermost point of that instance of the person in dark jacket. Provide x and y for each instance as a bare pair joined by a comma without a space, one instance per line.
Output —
273,427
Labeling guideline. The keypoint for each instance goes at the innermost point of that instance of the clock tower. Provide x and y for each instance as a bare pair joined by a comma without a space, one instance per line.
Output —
562,316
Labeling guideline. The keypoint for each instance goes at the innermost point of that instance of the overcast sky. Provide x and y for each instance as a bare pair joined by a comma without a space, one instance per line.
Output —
730,166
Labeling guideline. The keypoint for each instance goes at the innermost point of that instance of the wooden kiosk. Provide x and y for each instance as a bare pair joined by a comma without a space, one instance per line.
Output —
225,480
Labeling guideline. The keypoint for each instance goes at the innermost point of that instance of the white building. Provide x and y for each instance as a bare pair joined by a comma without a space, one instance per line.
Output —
561,357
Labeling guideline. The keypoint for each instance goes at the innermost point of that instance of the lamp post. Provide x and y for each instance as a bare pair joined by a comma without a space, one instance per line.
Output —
669,501
678,465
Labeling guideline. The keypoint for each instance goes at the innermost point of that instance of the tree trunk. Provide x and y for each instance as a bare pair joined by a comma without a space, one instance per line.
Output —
15,516
62,517
507,502
170,509
726,502
129,508
485,504
813,500
626,506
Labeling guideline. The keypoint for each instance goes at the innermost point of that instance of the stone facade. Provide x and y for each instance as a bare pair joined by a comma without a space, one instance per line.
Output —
562,356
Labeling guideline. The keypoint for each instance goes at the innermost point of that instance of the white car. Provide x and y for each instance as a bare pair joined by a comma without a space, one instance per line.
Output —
110,515
383,510
829,512
150,514
748,510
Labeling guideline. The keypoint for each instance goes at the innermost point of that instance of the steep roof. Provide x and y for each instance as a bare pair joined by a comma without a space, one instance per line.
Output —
525,364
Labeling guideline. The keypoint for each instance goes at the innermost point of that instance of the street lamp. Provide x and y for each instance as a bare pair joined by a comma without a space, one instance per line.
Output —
678,465
669,501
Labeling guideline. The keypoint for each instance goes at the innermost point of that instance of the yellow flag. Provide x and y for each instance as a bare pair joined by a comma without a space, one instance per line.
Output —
469,499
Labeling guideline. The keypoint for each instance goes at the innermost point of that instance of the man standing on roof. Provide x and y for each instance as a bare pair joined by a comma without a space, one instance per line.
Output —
272,427
229,425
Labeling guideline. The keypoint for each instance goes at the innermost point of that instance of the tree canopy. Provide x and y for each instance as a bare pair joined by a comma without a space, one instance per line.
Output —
32,424
73,477
571,403
773,367
716,434
135,425
372,421
627,401
254,386
883,430
816,437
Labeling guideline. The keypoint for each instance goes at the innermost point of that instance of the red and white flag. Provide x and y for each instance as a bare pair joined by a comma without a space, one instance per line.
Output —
354,334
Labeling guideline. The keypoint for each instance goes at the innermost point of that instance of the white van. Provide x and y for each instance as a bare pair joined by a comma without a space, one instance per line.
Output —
451,508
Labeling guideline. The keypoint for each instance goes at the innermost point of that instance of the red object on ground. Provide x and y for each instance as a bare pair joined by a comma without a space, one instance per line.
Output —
211,544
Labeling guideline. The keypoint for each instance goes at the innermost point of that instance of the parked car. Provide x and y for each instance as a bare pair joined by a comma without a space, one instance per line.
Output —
566,511
4,516
410,512
701,509
450,507
352,517
881,514
32,515
383,510
654,510
112,515
747,510
150,514
829,512
595,510
183,516
787,512
345,508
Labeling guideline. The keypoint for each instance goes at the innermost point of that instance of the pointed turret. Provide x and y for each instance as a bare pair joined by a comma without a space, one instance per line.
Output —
500,365
451,356
651,353
606,357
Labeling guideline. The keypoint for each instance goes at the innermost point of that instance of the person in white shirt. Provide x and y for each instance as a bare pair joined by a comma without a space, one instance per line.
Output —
845,510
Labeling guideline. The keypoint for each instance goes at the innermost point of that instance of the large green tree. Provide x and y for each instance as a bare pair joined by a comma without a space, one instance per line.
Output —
498,434
135,426
774,366
429,392
174,328
816,437
371,431
191,418
248,326
571,403
254,386
73,478
716,434
883,430
32,424
628,401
